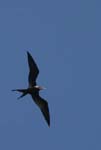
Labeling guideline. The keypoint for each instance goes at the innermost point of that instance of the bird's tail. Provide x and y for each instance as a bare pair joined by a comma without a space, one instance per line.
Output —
23,91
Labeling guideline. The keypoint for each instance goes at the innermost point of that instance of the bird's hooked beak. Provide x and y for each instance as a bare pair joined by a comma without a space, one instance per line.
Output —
40,87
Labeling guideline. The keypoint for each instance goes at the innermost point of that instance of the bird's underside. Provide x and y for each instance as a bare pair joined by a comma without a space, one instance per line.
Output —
33,89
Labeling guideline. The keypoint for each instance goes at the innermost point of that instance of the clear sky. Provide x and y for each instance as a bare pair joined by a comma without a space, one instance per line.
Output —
64,39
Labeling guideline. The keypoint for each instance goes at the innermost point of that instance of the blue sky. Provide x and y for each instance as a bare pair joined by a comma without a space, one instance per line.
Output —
64,39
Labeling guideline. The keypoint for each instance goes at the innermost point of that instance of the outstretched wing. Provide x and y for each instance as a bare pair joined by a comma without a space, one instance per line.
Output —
33,70
43,105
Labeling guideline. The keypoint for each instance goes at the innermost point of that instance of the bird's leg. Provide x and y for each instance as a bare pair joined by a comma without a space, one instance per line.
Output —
23,91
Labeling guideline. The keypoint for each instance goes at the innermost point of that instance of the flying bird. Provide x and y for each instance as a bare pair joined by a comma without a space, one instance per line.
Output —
33,89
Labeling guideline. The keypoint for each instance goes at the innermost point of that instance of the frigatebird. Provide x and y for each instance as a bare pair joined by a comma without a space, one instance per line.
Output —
34,89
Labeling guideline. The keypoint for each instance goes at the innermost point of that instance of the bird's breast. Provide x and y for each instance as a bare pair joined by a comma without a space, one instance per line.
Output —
32,90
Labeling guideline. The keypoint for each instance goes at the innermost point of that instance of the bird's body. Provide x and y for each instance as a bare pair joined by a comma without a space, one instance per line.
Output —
34,89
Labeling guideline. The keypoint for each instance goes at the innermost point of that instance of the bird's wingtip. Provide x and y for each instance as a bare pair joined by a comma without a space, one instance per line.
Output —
49,125
27,52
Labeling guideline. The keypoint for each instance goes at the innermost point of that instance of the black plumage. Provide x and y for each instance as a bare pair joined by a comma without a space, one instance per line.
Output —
34,89
33,71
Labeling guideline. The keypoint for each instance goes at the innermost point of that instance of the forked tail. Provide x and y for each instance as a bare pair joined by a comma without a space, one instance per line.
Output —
23,91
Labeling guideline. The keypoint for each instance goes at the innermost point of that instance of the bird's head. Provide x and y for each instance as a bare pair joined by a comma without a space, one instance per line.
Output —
39,87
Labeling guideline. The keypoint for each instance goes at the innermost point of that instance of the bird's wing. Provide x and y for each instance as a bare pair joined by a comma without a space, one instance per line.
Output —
43,105
33,70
